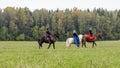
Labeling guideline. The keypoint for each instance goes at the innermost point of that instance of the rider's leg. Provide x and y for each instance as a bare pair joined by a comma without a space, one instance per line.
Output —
76,41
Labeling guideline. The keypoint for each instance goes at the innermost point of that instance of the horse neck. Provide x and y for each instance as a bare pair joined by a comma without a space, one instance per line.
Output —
55,36
96,35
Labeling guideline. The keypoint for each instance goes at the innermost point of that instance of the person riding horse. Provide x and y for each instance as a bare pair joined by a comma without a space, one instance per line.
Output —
49,38
48,34
76,38
90,31
90,36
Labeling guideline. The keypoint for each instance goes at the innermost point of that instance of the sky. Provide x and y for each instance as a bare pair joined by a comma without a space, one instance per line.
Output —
62,4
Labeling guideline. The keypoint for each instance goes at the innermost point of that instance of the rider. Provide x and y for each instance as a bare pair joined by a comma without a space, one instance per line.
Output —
76,38
90,31
75,33
48,34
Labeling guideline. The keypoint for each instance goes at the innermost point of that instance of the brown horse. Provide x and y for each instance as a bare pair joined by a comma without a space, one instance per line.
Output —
44,39
85,39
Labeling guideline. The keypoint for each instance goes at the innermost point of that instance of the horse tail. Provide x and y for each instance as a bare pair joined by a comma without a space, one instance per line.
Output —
38,39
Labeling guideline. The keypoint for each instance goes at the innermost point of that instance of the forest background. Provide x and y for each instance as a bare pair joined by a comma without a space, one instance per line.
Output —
22,24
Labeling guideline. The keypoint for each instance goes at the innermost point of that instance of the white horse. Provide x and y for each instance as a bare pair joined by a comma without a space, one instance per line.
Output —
70,41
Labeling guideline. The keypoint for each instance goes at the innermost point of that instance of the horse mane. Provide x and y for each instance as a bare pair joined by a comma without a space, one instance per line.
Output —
98,35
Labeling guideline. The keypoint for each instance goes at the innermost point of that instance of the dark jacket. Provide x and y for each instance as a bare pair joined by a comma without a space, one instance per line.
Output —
48,33
74,34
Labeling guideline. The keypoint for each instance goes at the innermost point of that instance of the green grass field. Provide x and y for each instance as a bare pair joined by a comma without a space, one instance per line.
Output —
25,54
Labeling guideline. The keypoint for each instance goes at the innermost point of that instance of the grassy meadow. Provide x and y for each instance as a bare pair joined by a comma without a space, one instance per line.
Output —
26,54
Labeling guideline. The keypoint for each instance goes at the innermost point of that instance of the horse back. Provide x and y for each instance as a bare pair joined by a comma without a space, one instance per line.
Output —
88,38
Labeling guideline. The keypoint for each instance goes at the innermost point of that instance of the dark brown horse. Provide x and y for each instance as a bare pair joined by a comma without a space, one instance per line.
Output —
44,39
85,39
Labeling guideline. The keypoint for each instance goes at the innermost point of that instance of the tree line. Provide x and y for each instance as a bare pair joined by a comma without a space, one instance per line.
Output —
24,24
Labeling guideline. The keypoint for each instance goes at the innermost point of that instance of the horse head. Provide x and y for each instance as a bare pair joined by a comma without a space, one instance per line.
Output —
56,35
98,35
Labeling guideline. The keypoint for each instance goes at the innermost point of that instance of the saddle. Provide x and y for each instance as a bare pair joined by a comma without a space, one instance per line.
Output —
49,38
90,37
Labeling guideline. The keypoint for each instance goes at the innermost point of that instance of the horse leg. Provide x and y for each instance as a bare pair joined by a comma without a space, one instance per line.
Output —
85,44
54,45
49,45
70,44
40,45
93,44
82,43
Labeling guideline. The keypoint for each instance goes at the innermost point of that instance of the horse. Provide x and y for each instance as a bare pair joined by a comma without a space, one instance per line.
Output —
44,39
85,39
70,41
